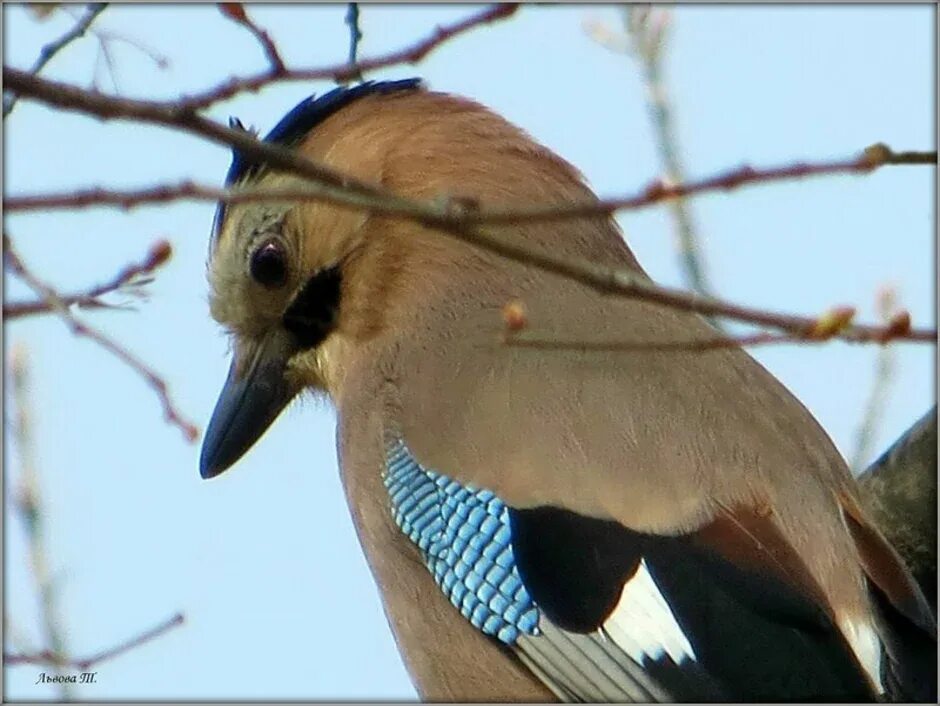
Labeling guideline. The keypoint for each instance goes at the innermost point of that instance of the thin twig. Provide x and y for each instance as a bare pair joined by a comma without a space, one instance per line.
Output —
879,394
158,254
651,195
355,34
871,158
52,658
344,72
455,220
821,332
29,508
235,11
716,343
648,28
104,52
80,328
54,47
173,116
874,409
351,190
108,36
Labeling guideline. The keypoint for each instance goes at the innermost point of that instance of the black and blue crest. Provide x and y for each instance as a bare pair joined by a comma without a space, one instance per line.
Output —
305,116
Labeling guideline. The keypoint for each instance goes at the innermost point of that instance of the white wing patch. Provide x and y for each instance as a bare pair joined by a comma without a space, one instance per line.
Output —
643,625
866,645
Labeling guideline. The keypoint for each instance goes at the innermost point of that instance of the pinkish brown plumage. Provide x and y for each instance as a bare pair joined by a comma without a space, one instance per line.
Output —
618,475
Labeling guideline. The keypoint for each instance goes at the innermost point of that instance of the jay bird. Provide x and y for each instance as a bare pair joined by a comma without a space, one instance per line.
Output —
578,523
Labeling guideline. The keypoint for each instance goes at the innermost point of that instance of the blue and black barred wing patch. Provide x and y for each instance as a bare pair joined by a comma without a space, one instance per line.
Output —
466,538
464,535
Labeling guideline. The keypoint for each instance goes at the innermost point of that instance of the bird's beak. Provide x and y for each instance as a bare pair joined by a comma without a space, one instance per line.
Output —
254,394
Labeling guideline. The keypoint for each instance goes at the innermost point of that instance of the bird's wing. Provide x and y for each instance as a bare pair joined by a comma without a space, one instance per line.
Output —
693,482
603,613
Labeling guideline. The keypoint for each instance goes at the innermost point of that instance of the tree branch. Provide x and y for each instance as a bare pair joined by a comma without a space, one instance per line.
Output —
52,48
80,328
826,327
355,34
880,388
455,219
28,503
647,28
52,658
235,11
346,71
129,275
869,159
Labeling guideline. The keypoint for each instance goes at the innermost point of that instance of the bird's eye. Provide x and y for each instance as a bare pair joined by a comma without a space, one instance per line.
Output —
269,264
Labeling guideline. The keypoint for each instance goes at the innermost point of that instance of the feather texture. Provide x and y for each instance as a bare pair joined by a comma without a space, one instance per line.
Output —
469,540
588,524
295,125
463,535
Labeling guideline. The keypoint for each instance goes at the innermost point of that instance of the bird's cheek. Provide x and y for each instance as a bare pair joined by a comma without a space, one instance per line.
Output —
310,369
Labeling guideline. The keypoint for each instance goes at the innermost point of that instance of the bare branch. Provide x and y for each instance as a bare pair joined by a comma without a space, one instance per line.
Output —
28,503
880,387
108,36
647,28
80,328
871,158
825,328
70,97
106,57
130,275
456,219
52,658
345,72
653,194
355,34
235,11
52,48
718,342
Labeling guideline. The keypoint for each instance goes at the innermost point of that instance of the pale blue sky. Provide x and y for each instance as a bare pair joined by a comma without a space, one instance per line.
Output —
263,561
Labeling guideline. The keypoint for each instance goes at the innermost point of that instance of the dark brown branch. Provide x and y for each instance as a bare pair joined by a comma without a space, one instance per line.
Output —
346,71
235,11
80,328
457,221
158,254
51,658
52,48
871,158
70,97
352,190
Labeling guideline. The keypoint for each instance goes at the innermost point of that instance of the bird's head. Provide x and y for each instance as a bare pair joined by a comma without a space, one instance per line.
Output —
301,285
276,271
